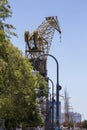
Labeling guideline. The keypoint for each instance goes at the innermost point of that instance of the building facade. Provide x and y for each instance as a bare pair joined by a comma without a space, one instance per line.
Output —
73,117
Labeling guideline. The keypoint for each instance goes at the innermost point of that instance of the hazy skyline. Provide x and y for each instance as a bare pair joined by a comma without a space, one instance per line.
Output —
70,52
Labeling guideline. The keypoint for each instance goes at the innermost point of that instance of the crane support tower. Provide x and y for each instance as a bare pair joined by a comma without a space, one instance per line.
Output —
39,42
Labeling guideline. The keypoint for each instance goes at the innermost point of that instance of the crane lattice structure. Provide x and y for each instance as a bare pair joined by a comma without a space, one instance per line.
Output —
39,42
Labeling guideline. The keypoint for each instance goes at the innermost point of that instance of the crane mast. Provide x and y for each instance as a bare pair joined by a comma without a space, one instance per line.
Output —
39,42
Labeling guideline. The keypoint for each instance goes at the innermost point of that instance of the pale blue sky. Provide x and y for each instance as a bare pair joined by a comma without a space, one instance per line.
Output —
70,53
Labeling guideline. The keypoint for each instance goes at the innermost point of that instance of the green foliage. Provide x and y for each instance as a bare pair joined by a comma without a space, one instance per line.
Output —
17,95
84,124
2,36
42,86
5,29
5,9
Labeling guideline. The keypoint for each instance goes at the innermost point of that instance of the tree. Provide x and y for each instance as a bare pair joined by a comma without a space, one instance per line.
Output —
5,29
84,124
17,95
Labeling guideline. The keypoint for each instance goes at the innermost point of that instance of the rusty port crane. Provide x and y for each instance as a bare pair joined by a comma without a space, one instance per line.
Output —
39,42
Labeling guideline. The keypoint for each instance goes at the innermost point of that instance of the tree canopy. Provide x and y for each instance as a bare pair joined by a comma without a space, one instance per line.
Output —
17,95
5,28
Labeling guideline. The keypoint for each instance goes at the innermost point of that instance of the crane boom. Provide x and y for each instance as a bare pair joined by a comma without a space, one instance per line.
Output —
39,42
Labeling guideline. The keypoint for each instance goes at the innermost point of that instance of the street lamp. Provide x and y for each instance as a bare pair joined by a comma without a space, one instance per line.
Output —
52,102
47,78
58,87
44,110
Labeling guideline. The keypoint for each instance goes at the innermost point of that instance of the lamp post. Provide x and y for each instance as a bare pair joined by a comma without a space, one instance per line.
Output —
58,87
52,102
47,78
45,110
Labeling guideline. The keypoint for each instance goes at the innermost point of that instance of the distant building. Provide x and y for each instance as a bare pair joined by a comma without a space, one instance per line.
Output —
73,116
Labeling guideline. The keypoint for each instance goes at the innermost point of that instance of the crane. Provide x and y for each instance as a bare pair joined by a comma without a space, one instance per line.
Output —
39,42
